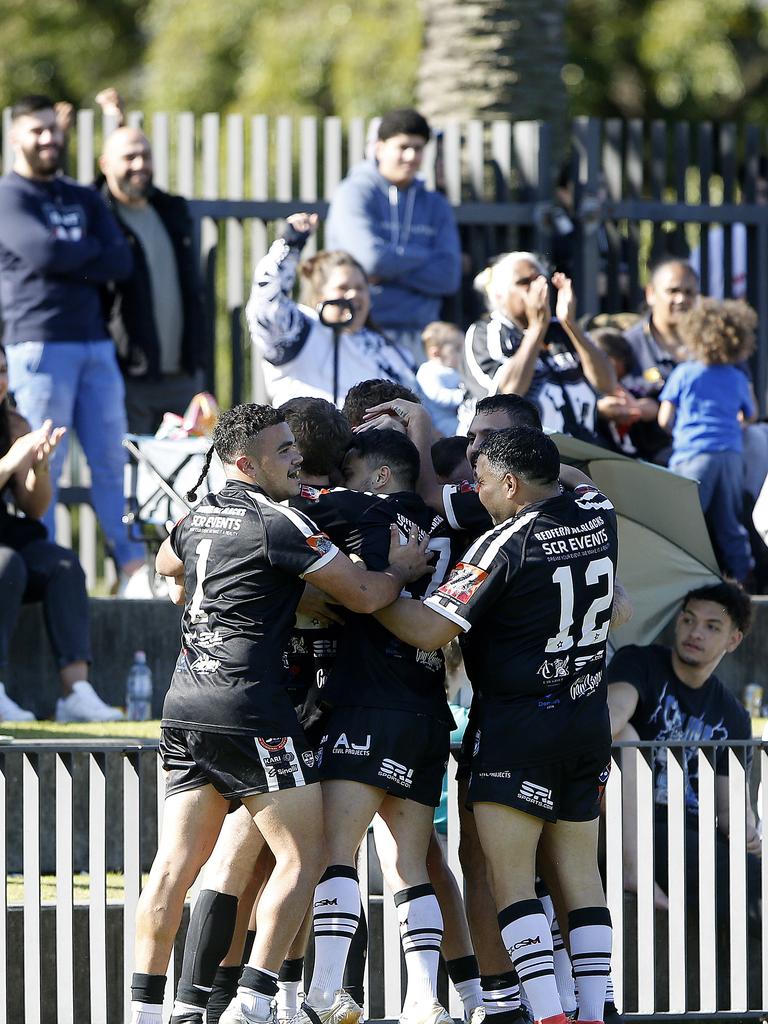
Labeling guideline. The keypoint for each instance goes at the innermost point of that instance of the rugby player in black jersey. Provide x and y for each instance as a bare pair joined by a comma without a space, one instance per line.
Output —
229,731
385,746
533,598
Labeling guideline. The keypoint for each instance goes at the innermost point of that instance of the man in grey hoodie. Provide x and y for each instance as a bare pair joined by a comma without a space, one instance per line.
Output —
404,236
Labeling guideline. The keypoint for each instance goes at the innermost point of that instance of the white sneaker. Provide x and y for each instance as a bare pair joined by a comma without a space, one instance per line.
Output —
426,1013
10,710
343,1010
85,705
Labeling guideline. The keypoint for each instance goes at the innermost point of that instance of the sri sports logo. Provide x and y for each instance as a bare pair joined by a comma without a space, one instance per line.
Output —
532,793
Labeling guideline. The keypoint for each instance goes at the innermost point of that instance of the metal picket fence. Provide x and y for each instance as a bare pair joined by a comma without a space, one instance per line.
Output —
80,810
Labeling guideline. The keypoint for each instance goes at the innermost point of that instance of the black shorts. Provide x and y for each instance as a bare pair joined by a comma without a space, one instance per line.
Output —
236,766
398,751
468,744
568,790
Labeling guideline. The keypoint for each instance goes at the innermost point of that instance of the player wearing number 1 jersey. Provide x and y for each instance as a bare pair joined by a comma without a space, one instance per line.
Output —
532,598
229,731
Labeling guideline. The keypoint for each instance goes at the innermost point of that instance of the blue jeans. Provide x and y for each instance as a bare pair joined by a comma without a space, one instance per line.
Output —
78,384
721,486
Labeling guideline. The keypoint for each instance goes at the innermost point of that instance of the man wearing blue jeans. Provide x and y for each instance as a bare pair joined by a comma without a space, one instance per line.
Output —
58,244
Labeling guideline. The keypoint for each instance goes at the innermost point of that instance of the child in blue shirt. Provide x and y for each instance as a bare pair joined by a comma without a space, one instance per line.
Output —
704,403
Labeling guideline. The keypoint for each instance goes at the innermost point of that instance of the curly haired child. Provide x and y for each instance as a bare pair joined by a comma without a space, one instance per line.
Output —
704,402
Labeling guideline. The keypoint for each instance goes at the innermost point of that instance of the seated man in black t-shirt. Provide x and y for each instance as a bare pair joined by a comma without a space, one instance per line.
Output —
672,695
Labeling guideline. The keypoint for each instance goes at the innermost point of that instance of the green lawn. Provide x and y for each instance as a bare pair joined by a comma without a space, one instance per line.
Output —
81,888
80,730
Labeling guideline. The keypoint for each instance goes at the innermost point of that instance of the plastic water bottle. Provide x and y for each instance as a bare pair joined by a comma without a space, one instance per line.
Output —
138,690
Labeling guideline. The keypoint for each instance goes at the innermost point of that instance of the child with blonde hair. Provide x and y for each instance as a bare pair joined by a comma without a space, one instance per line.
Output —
704,403
439,377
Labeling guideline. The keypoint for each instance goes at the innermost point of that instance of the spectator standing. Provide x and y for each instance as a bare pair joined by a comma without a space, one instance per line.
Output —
58,246
439,377
304,357
32,568
156,315
403,235
701,404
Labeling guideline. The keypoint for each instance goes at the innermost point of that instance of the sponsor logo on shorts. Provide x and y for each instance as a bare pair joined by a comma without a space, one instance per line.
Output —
289,769
343,746
205,664
476,746
583,660
320,543
463,582
495,775
586,685
284,757
324,648
540,796
553,669
432,660
326,903
297,645
272,743
308,758
534,940
396,772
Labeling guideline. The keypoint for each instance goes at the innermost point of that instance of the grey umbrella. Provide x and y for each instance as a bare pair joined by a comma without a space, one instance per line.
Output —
664,547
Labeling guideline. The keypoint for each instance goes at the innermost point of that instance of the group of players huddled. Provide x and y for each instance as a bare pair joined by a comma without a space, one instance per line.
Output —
320,586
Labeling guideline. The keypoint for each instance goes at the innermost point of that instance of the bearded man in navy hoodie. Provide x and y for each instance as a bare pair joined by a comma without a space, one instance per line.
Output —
403,235
58,245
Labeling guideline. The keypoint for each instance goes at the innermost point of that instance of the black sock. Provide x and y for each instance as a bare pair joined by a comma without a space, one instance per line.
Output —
148,988
209,935
463,968
354,971
250,938
262,982
223,992
292,970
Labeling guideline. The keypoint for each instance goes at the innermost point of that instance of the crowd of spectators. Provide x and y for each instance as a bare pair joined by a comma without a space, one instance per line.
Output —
104,333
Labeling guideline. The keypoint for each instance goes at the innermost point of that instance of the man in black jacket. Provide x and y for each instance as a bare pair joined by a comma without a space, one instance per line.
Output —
156,315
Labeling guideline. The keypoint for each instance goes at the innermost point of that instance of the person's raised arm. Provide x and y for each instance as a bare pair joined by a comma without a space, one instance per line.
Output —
361,590
276,324
597,367
515,375
418,427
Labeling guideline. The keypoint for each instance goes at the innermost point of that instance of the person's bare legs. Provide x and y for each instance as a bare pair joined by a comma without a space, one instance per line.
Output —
572,847
421,924
191,824
509,839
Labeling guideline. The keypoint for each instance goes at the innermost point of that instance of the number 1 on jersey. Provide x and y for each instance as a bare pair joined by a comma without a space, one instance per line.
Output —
202,551
591,632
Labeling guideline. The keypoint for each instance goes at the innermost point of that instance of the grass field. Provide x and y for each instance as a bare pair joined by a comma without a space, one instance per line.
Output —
80,730
80,888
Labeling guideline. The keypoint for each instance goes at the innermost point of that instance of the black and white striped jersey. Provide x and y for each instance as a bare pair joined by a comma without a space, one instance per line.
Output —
565,399
245,557
533,597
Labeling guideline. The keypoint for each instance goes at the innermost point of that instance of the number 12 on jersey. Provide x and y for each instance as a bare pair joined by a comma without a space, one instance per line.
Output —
591,631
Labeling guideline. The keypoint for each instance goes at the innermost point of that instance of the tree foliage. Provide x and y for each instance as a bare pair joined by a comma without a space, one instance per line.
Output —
687,59
69,48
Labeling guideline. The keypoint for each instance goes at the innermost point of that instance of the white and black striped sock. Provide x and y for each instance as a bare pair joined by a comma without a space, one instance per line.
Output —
528,941
421,932
590,936
336,912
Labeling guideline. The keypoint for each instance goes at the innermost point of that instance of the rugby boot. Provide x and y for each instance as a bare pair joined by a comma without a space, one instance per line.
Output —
343,1010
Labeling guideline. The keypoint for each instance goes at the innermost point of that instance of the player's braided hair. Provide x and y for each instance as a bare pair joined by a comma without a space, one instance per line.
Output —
524,452
233,434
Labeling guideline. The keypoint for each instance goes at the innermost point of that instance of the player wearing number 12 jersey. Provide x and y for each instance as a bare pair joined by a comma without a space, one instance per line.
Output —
533,598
